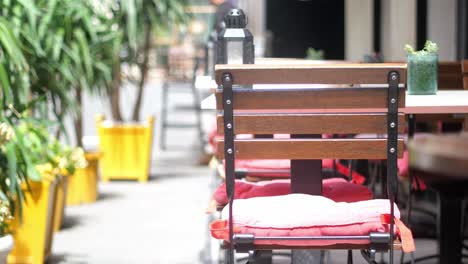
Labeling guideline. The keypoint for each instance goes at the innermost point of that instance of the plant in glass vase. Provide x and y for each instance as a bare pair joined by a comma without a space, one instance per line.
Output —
422,69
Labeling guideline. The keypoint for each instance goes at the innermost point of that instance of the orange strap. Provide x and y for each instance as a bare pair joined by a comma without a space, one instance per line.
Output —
407,241
220,229
355,176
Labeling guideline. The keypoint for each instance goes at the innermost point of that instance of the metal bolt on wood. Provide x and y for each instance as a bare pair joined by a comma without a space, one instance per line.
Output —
393,100
229,126
229,151
392,150
392,125
228,102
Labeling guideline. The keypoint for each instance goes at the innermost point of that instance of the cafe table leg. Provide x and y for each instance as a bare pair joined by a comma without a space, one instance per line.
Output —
306,177
450,226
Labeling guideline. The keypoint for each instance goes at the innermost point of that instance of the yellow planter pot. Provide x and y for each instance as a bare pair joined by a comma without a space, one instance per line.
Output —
82,186
59,210
33,237
126,149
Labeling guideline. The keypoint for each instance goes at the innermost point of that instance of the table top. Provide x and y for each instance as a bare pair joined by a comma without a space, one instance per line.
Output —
446,155
444,102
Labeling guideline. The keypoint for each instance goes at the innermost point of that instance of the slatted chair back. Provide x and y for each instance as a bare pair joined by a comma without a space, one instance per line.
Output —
307,100
354,101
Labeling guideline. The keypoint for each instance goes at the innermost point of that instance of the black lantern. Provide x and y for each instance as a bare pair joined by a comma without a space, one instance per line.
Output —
235,43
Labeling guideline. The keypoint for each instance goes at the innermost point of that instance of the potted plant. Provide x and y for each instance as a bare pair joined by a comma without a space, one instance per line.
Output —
35,199
61,162
64,60
422,69
127,146
43,53
83,187
17,169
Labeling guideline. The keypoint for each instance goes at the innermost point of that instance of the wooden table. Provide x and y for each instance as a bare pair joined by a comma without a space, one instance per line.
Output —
442,161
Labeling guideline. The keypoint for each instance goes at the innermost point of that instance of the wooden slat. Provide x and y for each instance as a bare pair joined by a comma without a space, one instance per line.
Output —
310,149
465,74
302,74
317,98
449,76
280,123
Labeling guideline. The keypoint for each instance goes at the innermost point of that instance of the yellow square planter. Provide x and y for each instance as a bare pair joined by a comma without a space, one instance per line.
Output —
33,237
126,149
83,185
59,210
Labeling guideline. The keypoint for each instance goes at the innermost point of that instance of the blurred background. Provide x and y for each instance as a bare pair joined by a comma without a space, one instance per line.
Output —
113,82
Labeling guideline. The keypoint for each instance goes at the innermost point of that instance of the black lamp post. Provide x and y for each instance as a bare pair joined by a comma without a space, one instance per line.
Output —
235,43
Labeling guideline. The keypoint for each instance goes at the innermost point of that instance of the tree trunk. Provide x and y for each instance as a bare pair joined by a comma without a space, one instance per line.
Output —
79,119
115,93
60,116
143,74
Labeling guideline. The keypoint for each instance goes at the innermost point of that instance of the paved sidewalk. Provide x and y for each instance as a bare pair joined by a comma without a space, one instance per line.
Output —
158,222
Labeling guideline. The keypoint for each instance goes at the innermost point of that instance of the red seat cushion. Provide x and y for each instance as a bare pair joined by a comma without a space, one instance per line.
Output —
281,168
308,215
336,189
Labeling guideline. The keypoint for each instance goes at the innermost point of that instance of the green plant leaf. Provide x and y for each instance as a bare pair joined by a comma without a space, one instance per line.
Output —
12,167
47,18
85,54
6,89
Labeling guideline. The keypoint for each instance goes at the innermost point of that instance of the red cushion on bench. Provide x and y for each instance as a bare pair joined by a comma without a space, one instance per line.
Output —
307,215
336,189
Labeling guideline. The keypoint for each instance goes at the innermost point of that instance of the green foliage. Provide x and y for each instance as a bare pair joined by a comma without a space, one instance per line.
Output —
17,160
313,54
48,48
133,16
422,69
66,44
429,48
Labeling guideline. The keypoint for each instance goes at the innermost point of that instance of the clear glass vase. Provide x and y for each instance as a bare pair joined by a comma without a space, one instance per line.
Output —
422,74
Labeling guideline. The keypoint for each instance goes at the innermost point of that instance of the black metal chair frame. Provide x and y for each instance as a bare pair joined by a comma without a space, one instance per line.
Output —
378,241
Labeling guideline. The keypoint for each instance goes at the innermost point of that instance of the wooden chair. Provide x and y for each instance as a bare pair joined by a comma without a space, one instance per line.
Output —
369,105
